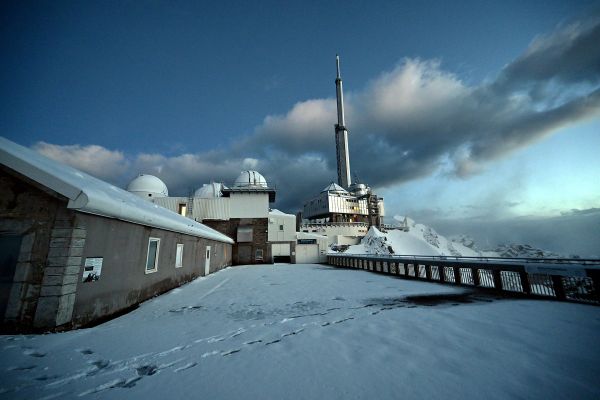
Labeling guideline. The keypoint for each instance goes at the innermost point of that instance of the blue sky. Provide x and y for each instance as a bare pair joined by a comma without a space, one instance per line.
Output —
455,111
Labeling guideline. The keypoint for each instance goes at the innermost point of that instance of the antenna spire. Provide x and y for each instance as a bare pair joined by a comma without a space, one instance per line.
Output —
341,134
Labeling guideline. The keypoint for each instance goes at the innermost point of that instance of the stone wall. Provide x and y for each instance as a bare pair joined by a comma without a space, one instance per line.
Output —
245,252
28,211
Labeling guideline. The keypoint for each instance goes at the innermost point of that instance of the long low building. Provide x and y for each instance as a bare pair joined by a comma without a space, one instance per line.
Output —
75,249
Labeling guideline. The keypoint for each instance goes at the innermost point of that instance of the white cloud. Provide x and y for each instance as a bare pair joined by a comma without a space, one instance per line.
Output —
93,159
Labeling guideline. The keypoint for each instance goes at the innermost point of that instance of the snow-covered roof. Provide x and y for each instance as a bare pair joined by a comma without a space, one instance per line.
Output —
277,212
334,187
91,195
309,235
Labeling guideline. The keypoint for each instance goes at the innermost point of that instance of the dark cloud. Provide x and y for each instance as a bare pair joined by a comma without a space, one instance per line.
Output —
569,55
408,123
576,211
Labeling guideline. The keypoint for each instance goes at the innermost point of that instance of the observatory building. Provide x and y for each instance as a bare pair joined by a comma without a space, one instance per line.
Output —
343,211
241,211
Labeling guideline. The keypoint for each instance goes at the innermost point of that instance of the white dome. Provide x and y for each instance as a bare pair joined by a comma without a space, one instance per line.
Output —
209,190
148,186
250,179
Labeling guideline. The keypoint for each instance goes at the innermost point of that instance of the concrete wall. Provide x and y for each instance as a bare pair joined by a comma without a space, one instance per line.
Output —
288,233
348,233
322,245
249,205
124,281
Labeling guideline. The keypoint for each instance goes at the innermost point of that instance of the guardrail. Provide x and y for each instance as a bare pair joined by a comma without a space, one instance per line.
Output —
561,279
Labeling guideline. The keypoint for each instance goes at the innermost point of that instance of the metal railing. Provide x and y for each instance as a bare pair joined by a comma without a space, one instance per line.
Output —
561,279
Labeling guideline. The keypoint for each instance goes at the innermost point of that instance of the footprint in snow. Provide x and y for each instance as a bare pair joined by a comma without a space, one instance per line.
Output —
34,353
147,370
85,351
21,368
186,366
43,378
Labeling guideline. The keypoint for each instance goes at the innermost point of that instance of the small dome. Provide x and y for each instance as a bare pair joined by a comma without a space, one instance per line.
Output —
209,190
250,179
148,186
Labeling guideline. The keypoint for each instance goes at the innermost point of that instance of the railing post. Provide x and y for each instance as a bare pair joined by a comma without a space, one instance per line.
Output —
525,282
428,272
457,277
559,288
475,275
497,279
595,275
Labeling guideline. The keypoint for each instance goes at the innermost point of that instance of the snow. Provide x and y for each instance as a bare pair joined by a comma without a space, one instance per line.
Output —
90,195
418,240
311,331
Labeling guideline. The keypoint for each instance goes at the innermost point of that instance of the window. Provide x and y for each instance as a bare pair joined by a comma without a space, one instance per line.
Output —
182,209
280,227
259,255
179,256
152,259
244,234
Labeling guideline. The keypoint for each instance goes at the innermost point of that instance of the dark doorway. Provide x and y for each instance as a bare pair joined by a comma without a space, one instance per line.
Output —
10,246
244,254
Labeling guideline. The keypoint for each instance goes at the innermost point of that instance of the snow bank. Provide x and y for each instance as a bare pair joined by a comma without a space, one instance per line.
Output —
418,240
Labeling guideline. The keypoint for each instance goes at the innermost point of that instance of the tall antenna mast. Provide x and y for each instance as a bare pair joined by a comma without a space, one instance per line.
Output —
341,133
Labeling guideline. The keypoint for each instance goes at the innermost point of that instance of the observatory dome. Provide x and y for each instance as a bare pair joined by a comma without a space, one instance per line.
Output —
209,190
148,186
250,179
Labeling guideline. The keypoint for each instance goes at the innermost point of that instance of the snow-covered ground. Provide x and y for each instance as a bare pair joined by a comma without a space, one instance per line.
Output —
315,332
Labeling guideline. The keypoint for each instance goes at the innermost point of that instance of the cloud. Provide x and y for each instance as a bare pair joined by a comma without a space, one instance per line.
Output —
568,55
407,123
576,211
571,233
96,160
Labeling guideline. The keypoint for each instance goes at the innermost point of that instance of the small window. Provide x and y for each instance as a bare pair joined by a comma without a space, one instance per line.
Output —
244,234
280,227
179,256
182,209
259,255
152,259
